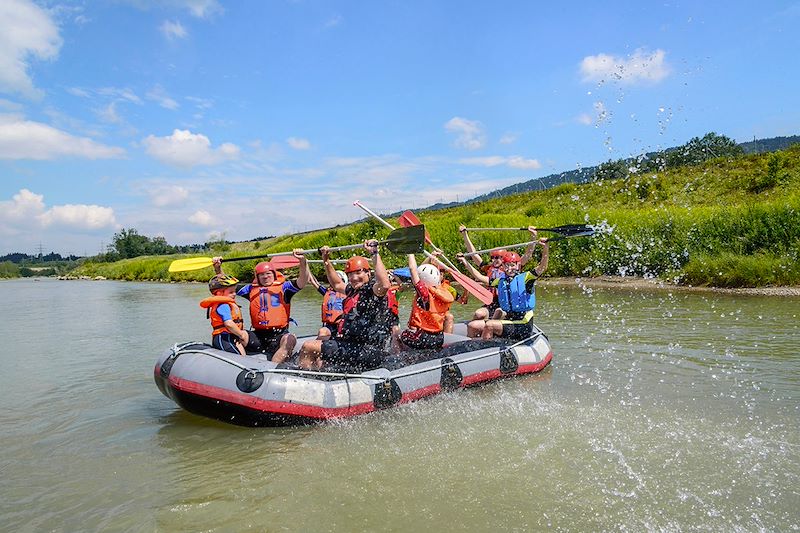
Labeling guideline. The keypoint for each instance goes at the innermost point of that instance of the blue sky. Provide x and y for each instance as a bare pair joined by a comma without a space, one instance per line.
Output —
192,118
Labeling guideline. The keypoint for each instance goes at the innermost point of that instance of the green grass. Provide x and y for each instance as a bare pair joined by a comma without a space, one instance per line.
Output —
726,222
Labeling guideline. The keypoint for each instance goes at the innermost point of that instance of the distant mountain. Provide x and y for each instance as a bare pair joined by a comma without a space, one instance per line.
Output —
757,146
585,174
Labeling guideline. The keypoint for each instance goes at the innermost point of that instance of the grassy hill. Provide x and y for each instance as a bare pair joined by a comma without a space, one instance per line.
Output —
727,222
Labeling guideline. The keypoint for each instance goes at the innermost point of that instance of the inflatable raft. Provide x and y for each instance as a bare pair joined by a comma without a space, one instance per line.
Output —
253,391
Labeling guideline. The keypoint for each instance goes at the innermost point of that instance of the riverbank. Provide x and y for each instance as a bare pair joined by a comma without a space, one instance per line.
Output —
727,223
634,283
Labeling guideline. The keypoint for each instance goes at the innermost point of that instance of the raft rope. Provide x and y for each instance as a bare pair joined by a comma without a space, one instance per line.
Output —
343,375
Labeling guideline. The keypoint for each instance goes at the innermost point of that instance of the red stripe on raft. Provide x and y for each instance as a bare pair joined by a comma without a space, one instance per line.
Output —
323,413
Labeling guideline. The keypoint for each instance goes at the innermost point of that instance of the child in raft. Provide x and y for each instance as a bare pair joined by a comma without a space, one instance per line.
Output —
429,310
228,332
331,305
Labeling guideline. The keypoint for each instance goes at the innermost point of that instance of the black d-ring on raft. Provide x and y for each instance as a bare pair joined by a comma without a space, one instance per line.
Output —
387,394
249,381
508,361
451,375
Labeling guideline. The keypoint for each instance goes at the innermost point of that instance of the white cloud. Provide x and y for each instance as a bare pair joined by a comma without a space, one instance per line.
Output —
333,21
298,143
173,30
109,114
201,103
169,196
471,135
80,216
508,138
584,119
641,67
25,139
186,149
200,8
202,218
26,212
513,161
159,94
120,93
26,31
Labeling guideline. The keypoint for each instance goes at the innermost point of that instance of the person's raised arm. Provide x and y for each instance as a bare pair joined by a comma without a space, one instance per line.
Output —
542,266
302,279
412,268
478,260
334,280
472,270
528,255
382,283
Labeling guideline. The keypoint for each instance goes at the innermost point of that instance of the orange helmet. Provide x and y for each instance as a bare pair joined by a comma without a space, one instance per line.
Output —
511,257
498,253
357,263
264,266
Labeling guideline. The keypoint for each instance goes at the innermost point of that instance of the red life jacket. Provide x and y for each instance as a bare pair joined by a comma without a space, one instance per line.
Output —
268,309
432,319
332,307
211,303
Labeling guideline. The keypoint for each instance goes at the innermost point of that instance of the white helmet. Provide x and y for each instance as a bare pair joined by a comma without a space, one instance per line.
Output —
429,274
342,276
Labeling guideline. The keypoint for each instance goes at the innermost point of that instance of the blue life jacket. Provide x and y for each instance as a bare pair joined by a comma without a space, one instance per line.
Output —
512,295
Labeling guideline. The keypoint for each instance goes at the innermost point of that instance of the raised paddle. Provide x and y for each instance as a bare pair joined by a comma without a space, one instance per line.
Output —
521,244
569,230
409,240
479,291
410,219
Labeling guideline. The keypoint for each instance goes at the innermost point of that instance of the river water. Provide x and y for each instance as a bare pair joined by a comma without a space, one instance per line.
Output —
661,411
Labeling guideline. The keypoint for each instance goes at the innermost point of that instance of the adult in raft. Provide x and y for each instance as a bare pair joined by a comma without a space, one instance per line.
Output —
516,296
430,308
367,318
493,270
270,297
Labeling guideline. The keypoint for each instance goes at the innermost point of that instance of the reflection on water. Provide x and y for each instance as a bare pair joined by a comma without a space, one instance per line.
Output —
660,411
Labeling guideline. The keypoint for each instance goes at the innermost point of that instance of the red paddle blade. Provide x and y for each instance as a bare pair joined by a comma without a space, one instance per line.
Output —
476,289
284,261
410,219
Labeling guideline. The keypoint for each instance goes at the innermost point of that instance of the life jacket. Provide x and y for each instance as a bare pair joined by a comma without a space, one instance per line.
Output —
211,303
366,318
332,307
512,296
268,309
394,305
432,319
493,272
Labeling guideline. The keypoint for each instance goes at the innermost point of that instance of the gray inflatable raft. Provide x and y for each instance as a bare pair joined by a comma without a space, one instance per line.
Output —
253,391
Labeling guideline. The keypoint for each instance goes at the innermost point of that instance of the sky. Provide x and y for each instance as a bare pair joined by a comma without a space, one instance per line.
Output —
200,119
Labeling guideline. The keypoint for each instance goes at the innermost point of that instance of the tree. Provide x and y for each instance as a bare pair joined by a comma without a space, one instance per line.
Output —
128,243
698,150
611,170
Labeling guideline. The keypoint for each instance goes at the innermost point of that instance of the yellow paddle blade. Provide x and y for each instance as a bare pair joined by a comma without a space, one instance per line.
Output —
192,263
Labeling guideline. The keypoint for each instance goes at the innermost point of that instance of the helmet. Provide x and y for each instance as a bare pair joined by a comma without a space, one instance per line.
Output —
264,266
497,253
511,257
429,274
355,263
342,275
220,281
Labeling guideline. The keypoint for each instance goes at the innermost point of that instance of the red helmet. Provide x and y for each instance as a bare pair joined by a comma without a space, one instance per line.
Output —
357,263
498,253
264,266
512,257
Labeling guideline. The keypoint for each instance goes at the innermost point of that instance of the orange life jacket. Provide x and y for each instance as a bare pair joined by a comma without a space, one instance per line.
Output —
332,307
211,303
431,319
391,299
268,309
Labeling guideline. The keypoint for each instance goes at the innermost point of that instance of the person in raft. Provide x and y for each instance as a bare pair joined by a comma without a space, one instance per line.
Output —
431,305
493,270
366,324
228,332
270,296
516,295
331,305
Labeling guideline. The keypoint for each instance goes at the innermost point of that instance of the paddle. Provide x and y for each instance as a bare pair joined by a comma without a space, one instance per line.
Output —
479,291
410,219
409,240
521,244
569,230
